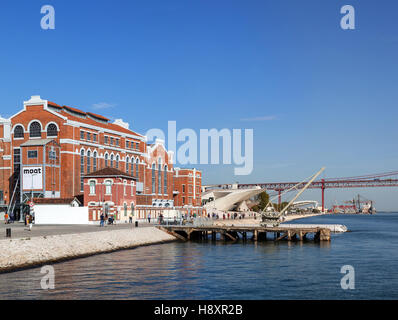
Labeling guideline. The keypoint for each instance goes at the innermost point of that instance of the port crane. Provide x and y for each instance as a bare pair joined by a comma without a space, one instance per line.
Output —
271,216
362,205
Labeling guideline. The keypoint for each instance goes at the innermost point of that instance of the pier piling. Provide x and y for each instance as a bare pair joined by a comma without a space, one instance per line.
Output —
231,233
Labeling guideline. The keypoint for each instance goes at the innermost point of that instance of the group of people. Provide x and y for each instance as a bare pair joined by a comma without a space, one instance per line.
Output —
105,217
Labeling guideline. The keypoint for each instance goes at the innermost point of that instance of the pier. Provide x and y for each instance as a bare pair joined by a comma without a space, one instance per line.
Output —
258,233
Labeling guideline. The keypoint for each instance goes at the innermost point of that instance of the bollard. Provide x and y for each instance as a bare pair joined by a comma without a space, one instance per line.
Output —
8,233
136,224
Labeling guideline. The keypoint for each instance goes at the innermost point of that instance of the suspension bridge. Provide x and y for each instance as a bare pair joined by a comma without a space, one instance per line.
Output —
386,179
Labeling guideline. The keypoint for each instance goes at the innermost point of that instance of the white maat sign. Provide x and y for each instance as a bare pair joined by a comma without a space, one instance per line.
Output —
32,178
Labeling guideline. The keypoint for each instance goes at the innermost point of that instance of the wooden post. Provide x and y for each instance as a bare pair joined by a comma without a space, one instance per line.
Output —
255,235
300,235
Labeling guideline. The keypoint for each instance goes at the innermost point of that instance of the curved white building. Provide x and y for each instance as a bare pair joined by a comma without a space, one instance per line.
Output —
228,199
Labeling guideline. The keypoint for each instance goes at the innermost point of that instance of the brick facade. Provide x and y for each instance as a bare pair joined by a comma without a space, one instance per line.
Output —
84,142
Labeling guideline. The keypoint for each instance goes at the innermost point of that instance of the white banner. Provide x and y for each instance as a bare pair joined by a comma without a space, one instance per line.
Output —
32,178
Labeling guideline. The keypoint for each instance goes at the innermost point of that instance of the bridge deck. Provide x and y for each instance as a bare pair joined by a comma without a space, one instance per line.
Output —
234,233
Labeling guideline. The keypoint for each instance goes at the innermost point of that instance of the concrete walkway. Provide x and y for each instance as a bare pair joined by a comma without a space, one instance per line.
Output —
19,230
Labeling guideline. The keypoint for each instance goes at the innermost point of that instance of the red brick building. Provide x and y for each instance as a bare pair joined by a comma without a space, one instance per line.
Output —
188,188
110,191
64,144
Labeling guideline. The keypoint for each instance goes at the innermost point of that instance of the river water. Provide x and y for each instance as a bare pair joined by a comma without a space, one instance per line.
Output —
265,270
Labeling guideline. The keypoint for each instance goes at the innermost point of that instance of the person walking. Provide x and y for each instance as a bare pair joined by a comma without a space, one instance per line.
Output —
149,218
6,218
102,218
30,221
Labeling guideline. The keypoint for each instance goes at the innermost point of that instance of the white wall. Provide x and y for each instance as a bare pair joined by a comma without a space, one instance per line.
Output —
60,214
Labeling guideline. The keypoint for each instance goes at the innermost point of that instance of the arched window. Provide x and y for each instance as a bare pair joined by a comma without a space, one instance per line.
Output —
35,129
165,180
137,162
127,165
159,178
18,132
117,162
112,160
106,159
92,187
88,161
95,161
153,179
81,169
52,130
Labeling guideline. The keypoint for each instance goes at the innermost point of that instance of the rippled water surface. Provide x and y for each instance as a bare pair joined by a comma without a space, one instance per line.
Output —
284,270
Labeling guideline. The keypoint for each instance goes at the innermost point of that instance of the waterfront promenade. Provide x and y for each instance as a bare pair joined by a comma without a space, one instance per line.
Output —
53,243
23,252
19,230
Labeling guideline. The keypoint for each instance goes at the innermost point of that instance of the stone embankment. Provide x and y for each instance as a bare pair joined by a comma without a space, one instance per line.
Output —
28,252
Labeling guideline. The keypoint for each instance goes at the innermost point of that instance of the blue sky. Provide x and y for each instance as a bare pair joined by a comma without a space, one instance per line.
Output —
314,94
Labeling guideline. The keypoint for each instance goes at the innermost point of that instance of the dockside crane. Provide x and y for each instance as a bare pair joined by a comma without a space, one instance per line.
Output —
272,216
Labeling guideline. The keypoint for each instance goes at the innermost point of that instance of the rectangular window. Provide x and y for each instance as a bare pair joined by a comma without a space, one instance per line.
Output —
112,140
137,146
117,142
94,137
17,160
88,136
127,144
190,188
183,188
106,139
32,154
183,200
190,200
108,187
82,135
